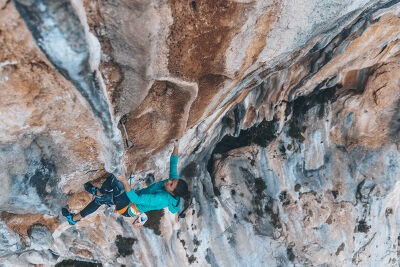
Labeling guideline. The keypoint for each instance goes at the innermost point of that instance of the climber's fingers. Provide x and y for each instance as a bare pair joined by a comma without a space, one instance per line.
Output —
123,171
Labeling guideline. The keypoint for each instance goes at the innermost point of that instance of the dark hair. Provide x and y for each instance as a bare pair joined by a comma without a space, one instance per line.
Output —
181,189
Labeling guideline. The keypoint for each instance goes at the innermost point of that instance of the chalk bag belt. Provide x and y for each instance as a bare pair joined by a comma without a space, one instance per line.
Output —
129,143
122,211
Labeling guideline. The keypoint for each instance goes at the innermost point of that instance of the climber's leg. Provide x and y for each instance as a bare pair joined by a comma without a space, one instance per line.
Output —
104,195
89,209
113,191
120,199
118,186
93,190
106,187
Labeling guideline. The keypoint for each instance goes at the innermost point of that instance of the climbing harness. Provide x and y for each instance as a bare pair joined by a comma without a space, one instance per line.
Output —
132,210
140,218
129,143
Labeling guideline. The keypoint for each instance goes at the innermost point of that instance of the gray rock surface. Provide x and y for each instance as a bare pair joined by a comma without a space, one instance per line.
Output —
40,236
287,111
9,241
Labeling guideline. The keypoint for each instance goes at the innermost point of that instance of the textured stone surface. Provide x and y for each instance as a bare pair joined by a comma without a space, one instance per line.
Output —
40,236
10,241
46,124
313,181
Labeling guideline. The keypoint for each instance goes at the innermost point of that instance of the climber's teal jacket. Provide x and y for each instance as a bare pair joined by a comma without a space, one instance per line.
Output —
155,197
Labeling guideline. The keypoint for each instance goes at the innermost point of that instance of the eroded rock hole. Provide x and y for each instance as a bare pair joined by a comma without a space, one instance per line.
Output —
149,179
262,134
190,170
290,254
260,186
77,263
124,245
300,106
194,5
154,220
284,198
363,227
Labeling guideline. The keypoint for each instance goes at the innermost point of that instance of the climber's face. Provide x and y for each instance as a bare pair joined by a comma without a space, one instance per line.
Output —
170,185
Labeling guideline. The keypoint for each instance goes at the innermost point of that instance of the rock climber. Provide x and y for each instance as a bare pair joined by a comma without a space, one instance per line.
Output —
117,191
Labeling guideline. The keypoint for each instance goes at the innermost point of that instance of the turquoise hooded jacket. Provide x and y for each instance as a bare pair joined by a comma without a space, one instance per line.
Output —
155,197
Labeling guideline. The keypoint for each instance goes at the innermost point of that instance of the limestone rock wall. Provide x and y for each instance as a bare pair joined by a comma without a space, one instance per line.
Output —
288,114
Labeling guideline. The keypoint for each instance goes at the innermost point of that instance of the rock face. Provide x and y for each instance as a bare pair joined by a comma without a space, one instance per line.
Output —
288,114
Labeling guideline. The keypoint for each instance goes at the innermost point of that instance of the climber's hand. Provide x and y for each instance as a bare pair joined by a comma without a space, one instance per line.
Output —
176,147
121,178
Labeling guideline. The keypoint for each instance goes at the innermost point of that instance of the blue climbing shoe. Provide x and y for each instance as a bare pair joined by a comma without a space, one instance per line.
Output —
69,216
91,189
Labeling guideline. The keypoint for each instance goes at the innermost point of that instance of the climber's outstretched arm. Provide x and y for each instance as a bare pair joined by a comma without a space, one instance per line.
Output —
176,148
143,199
173,163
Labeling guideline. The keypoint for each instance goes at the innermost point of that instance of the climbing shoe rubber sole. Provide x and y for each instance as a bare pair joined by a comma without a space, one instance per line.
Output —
69,216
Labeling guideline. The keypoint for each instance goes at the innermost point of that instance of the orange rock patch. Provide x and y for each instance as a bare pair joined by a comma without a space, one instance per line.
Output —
20,223
84,253
161,117
200,35
209,86
199,38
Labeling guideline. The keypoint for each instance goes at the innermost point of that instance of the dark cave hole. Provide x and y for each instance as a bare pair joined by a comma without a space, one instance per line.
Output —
290,254
262,134
124,245
154,220
300,106
194,5
76,263
190,170
363,227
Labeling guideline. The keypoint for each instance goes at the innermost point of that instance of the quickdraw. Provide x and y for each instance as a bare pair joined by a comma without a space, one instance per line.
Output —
131,178
129,142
